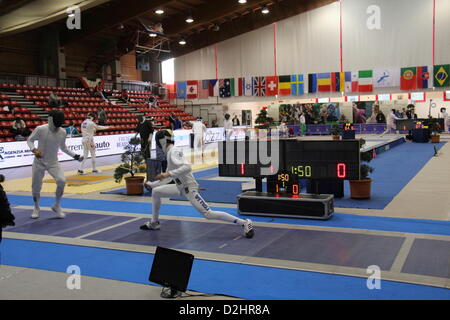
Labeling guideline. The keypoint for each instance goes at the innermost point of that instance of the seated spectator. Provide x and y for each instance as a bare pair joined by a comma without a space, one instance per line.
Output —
124,96
6,216
214,124
101,115
19,128
9,109
177,123
54,100
71,130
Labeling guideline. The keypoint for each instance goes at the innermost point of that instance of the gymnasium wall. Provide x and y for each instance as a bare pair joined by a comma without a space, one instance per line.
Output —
310,43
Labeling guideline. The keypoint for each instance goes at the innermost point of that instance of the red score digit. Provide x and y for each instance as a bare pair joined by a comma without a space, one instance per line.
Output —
341,170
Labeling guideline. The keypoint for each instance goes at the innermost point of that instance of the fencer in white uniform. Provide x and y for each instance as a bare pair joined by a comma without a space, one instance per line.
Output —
444,115
88,129
180,171
228,127
390,123
50,137
199,130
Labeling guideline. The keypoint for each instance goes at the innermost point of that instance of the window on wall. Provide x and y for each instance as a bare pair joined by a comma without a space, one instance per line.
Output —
168,71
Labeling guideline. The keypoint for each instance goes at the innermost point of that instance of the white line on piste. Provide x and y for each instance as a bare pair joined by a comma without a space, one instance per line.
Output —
223,246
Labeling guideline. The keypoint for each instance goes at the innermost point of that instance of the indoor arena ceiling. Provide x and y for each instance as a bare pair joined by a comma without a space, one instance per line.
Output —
123,25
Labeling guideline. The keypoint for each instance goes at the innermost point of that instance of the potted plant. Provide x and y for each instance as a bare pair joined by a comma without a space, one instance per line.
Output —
336,131
435,128
132,163
360,189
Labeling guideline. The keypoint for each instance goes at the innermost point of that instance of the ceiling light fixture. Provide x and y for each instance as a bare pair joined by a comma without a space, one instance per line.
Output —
159,11
265,10
153,35
242,1
71,15
182,42
189,19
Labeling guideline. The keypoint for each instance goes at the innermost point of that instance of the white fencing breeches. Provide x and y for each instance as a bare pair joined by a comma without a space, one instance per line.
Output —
38,172
389,127
198,142
171,190
88,147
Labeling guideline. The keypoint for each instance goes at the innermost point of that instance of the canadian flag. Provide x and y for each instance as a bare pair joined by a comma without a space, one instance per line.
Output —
192,89
271,86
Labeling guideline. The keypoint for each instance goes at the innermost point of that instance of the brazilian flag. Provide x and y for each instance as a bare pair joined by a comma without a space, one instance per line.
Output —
441,75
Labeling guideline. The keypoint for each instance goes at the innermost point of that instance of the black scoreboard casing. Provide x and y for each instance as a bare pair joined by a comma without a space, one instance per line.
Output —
307,159
310,206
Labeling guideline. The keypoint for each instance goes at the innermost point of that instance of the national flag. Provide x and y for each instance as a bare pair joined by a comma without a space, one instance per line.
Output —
181,89
442,75
213,88
259,86
423,77
297,84
225,88
408,78
355,78
192,89
324,82
172,92
248,86
384,78
284,85
365,81
233,87
348,81
203,89
312,83
271,86
336,81
241,87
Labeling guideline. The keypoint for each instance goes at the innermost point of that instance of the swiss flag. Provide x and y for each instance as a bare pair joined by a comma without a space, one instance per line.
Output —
271,86
192,89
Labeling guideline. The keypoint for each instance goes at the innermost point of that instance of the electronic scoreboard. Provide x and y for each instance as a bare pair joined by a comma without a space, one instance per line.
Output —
284,163
305,159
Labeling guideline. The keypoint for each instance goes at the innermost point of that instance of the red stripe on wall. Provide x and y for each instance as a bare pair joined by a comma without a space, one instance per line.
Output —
434,32
275,48
216,51
341,64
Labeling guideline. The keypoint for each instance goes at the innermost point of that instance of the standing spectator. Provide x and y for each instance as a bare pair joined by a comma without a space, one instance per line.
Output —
236,121
444,115
6,216
214,124
145,130
381,117
101,115
53,100
302,124
19,128
410,113
71,131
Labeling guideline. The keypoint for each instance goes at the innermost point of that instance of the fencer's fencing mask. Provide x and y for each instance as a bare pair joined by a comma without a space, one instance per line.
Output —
164,137
56,118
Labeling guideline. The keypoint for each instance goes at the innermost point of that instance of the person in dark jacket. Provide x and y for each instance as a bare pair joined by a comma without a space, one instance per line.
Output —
6,216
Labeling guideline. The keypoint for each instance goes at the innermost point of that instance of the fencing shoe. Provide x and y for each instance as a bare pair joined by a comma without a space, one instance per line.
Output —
248,229
58,211
80,172
96,171
151,226
36,213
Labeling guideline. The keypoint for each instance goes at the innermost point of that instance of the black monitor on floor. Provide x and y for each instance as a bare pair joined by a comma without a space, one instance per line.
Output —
172,270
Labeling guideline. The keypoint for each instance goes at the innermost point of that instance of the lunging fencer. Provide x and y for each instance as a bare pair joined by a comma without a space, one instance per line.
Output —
88,129
50,137
180,171
390,123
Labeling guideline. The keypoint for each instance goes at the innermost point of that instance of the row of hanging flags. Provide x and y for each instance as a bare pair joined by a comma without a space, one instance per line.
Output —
364,81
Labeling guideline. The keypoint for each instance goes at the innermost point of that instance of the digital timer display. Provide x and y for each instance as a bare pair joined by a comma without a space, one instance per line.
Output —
303,159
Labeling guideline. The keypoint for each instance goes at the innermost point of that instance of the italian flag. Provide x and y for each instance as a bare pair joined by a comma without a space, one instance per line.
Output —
365,78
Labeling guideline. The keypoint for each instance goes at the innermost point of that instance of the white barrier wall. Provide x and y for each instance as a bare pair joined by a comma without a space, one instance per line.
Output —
17,154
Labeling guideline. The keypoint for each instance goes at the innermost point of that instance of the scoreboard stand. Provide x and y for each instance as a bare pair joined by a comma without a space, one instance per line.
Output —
294,160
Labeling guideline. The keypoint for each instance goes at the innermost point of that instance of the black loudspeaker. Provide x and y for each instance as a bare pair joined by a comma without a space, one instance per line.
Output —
171,269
